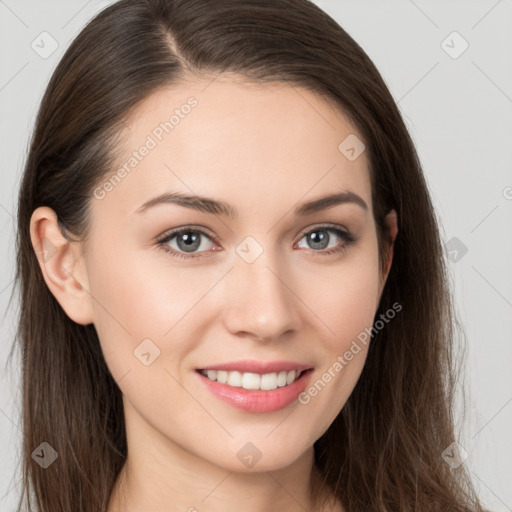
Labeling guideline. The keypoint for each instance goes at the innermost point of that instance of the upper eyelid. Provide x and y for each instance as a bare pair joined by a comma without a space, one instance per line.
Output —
205,231
326,226
174,232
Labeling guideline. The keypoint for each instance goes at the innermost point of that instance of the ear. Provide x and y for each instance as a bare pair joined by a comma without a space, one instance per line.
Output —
62,265
391,223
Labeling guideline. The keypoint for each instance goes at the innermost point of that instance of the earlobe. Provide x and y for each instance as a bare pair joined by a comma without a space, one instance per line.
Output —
62,265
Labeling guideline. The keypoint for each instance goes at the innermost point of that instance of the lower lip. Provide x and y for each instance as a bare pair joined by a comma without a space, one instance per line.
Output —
255,400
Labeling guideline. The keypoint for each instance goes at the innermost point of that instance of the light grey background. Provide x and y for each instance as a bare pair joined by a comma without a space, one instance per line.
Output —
459,112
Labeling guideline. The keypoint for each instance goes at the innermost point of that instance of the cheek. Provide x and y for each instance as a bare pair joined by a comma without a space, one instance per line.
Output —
136,300
346,304
345,299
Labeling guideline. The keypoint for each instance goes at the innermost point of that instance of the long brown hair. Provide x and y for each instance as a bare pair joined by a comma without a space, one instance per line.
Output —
384,450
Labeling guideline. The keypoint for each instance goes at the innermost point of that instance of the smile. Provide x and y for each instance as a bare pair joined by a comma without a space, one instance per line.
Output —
248,380
255,392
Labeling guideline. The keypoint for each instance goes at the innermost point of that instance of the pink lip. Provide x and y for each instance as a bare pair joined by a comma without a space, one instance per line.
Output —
261,367
254,400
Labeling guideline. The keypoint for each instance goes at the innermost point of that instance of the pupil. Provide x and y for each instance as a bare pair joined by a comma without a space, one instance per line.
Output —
318,237
190,241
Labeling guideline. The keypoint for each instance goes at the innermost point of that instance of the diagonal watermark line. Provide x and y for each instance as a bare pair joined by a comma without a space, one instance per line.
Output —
284,489
505,299
201,298
97,301
202,499
295,89
492,81
200,404
9,81
219,217
76,14
503,407
285,418
6,286
484,218
1,205
495,495
307,192
485,15
124,375
300,300
424,14
418,82
15,424
10,488
3,3
211,81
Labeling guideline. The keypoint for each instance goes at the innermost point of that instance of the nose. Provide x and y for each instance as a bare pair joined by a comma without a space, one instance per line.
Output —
260,301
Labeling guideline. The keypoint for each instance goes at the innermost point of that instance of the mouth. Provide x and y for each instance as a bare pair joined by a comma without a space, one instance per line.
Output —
254,381
256,387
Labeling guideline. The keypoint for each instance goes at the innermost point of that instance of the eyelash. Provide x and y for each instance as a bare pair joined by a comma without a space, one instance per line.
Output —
346,236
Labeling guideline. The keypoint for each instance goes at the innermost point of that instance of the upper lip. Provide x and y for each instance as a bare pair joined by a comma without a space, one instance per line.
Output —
262,367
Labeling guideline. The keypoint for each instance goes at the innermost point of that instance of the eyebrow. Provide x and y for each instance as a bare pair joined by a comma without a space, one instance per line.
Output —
213,206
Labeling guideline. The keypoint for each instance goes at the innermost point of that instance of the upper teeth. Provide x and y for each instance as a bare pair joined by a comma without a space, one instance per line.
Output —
266,381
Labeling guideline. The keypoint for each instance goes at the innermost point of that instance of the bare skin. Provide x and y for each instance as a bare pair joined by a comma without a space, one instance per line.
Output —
264,150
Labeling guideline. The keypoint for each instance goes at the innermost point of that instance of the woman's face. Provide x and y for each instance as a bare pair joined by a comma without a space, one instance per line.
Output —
274,283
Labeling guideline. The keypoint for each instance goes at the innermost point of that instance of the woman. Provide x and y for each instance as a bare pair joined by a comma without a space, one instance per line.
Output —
232,282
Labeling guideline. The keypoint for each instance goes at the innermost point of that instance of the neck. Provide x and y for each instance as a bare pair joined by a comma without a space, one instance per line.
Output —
163,477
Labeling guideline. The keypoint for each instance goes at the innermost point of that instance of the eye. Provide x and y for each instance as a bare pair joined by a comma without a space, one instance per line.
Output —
188,240
319,239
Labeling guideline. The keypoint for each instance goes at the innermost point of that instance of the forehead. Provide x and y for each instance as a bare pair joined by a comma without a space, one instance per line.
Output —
254,145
